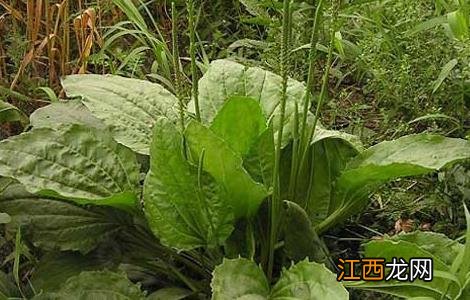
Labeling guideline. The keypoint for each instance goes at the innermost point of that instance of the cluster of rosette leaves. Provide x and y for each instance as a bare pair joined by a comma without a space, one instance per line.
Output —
113,173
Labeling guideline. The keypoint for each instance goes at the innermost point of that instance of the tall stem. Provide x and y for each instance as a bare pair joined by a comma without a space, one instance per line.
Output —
311,69
192,54
302,148
176,65
324,87
276,197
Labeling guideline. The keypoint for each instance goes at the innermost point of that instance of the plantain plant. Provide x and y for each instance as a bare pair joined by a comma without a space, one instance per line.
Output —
110,185
127,194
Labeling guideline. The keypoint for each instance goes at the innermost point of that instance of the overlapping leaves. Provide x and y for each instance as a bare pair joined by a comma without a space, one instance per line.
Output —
130,107
449,267
407,156
53,224
58,114
225,79
243,279
103,285
212,178
184,208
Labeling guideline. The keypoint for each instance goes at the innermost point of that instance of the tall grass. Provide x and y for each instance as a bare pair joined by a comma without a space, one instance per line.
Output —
51,51
151,37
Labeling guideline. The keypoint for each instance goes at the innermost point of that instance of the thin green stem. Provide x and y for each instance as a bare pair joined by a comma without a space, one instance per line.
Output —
276,200
294,159
311,69
176,63
304,140
324,87
192,54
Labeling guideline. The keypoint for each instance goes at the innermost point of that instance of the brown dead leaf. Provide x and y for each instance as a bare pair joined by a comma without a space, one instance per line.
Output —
405,225
425,227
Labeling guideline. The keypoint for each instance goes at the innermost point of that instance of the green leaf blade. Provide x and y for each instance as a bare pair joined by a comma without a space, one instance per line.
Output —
62,113
239,279
59,225
301,240
10,113
226,167
55,268
414,246
170,185
445,72
130,107
74,162
308,280
225,79
240,122
259,162
103,285
411,155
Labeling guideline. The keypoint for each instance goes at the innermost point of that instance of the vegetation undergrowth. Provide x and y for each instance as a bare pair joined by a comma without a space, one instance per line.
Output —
218,178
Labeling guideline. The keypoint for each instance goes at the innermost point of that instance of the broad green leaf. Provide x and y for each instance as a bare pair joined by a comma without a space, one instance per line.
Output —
437,244
55,268
448,67
10,113
225,79
103,285
338,42
243,279
239,123
259,162
324,161
57,224
242,125
388,249
182,211
407,156
239,279
331,151
322,134
300,239
73,162
170,294
58,114
226,167
130,107
308,280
